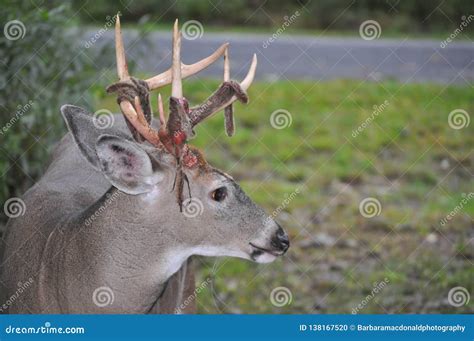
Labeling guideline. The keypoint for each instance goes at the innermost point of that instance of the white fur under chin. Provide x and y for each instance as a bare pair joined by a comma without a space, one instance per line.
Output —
173,260
171,263
213,251
176,259
265,258
217,252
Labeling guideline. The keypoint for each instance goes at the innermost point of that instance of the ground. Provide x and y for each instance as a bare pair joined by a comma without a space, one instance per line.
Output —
313,174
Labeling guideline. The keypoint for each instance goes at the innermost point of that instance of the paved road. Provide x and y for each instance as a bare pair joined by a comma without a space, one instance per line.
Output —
305,57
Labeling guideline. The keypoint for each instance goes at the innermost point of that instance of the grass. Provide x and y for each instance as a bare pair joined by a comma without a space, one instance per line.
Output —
408,158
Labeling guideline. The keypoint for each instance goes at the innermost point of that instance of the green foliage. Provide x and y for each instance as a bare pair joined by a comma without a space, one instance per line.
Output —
405,16
400,16
40,71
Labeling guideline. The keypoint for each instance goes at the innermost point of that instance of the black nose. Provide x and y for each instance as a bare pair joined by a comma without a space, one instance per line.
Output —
280,240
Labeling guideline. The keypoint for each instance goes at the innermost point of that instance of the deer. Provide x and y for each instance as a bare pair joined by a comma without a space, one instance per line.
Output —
110,226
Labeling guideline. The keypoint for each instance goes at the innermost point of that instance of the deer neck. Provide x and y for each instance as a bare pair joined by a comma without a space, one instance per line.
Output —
120,249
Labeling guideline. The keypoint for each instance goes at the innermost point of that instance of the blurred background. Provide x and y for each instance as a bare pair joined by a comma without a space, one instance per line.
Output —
357,138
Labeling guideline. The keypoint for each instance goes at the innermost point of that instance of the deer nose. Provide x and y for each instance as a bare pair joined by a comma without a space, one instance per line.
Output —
280,240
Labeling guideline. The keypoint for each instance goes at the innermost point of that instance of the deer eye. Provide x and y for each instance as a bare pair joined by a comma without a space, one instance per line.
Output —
219,194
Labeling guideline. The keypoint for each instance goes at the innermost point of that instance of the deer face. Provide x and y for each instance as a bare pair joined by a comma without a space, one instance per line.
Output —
230,223
161,169
217,217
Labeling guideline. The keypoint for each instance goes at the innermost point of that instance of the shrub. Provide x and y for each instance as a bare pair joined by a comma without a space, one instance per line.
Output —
41,68
404,16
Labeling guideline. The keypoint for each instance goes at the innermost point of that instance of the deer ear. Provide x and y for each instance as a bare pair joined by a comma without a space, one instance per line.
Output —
79,123
85,133
127,166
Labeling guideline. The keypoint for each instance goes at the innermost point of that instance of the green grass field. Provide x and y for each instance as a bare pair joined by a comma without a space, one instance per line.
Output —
406,156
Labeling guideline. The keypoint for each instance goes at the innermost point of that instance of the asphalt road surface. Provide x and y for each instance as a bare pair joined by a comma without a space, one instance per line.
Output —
310,58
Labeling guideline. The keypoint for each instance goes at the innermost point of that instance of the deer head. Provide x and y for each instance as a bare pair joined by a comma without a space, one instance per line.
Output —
164,177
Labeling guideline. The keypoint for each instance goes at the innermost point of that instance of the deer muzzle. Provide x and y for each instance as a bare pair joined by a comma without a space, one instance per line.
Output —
268,251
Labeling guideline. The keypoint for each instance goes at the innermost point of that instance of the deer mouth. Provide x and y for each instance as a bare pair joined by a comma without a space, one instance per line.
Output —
258,250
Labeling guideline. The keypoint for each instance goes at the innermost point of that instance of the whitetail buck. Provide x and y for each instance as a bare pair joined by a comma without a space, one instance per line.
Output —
110,211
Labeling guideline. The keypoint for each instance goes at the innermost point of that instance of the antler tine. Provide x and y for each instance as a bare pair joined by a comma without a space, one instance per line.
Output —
139,123
135,115
176,84
164,78
228,110
122,68
161,110
226,65
139,111
245,84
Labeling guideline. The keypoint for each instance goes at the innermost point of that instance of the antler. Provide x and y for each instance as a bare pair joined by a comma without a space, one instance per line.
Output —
130,89
229,92
133,98
229,110
164,78
179,126
181,119
127,86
